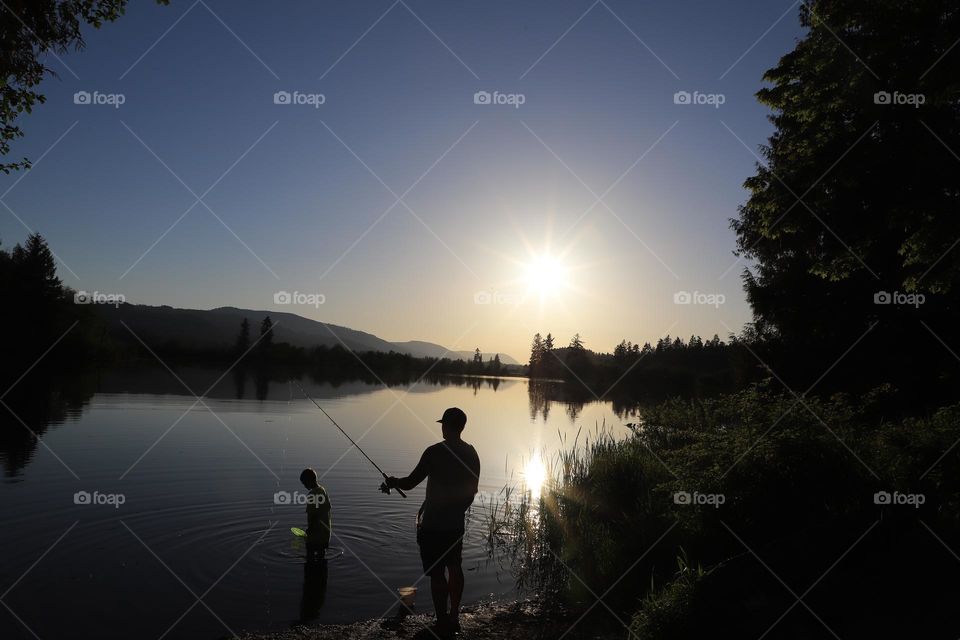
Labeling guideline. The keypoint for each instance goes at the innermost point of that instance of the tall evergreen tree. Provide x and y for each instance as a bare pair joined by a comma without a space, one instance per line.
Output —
548,343
537,352
576,343
621,351
266,334
28,280
577,361
243,338
858,191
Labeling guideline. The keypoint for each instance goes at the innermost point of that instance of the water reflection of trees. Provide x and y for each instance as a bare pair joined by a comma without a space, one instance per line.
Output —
43,400
573,398
543,393
33,406
273,383
473,382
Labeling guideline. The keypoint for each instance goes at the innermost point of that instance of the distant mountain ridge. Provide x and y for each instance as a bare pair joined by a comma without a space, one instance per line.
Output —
431,350
197,328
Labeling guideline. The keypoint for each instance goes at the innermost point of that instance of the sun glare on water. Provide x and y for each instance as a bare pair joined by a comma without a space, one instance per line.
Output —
534,475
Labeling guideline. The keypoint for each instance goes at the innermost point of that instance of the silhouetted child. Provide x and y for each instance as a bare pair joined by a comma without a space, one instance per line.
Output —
318,516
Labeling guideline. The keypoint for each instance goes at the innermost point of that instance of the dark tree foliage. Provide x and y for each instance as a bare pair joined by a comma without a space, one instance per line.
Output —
537,354
671,368
39,312
860,188
265,344
50,329
243,338
31,31
576,359
33,295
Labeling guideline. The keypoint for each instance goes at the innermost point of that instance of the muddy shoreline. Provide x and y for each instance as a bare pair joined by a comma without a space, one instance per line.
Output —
523,620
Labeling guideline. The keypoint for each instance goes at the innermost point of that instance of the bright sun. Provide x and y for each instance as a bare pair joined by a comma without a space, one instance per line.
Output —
544,275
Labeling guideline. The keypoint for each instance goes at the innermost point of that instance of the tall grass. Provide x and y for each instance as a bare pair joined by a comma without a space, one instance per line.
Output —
598,506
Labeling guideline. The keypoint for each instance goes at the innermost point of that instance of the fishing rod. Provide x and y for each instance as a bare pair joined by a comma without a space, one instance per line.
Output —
400,491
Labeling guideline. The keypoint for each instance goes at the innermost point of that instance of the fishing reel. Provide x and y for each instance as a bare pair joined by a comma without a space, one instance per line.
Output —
385,489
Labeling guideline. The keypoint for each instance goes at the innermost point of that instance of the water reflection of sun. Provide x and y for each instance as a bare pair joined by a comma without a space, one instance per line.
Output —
534,475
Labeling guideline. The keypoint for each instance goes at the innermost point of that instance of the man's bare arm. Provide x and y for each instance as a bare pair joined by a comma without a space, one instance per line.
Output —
416,476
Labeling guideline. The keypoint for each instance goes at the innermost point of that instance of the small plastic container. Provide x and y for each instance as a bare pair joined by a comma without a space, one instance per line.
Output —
407,595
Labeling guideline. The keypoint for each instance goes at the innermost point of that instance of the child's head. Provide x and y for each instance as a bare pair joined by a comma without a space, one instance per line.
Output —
308,477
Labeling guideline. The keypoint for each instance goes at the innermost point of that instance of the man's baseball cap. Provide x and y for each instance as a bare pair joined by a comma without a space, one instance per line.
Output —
454,416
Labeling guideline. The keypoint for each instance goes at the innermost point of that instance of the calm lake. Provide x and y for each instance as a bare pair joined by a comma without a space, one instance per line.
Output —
184,535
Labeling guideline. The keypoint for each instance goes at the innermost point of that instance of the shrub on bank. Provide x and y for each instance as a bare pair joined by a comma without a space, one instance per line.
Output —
758,487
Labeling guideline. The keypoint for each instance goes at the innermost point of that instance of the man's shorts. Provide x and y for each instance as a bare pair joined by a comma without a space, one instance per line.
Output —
439,548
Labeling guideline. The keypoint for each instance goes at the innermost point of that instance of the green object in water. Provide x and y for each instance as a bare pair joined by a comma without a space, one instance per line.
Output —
297,531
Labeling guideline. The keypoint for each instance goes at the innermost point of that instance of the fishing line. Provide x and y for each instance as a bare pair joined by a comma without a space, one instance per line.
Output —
347,435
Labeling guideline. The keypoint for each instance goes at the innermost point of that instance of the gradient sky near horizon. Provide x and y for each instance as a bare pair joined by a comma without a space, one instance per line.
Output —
400,199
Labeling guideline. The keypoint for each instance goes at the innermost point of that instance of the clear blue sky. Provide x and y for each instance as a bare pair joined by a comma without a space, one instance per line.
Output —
598,83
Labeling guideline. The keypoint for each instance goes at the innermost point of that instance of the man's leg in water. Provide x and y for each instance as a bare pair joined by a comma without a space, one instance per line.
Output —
456,591
439,591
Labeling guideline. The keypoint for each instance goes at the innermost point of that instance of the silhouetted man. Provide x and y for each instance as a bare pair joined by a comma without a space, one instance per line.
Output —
452,470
